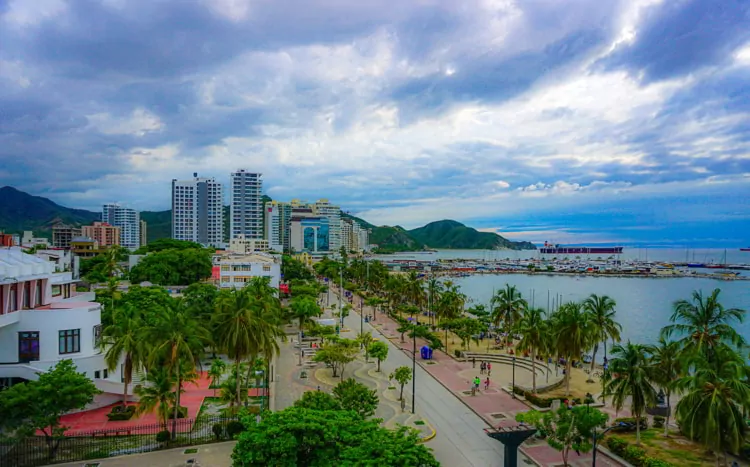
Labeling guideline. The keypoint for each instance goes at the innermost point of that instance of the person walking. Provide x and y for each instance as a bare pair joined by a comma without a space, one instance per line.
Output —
473,362
477,382
481,368
489,368
487,383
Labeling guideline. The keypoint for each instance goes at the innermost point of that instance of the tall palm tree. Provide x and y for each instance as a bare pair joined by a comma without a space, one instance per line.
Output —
450,307
178,343
303,309
434,288
704,323
507,306
572,335
716,394
532,329
667,367
157,395
601,311
414,290
124,338
216,372
635,379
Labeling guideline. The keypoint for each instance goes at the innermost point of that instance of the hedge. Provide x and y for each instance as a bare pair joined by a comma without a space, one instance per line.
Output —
542,402
121,412
658,421
634,454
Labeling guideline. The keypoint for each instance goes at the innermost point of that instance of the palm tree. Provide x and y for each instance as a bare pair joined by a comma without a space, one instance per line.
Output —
665,358
158,394
507,306
532,329
178,342
413,289
635,378
601,311
434,288
704,323
572,335
303,309
216,371
124,338
716,395
450,308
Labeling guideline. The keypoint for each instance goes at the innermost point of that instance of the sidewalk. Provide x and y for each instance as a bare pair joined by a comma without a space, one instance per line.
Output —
494,406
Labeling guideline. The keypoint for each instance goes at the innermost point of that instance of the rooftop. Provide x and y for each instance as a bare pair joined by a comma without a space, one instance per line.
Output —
15,265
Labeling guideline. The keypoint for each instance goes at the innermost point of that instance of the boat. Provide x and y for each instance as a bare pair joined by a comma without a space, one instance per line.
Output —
745,249
696,265
549,249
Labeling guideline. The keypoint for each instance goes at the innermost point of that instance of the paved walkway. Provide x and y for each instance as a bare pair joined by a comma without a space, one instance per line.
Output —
208,455
493,407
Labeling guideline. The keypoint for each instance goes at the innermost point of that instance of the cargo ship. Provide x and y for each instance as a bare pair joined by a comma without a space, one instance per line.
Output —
551,249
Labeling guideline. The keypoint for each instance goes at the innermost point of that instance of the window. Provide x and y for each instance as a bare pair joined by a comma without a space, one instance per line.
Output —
69,341
97,334
225,268
97,374
266,267
106,373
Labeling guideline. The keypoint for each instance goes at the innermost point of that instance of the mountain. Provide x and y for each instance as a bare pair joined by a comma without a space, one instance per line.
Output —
21,211
388,239
158,224
455,235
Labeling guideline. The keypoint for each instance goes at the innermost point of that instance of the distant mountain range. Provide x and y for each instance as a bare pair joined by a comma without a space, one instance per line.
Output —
21,211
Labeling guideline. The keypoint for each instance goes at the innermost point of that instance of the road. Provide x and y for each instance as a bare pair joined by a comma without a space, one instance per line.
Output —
460,439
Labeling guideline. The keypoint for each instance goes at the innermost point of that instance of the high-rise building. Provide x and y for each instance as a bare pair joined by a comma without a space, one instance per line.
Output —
105,235
246,211
62,234
325,209
277,229
198,211
129,222
353,236
347,233
310,234
144,233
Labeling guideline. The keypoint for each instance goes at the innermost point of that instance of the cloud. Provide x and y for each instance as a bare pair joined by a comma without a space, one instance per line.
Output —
493,112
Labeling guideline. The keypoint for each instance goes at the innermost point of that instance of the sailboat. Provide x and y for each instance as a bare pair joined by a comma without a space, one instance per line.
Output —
721,265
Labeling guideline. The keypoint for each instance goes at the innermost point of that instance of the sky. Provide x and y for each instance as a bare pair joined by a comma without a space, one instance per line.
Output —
575,122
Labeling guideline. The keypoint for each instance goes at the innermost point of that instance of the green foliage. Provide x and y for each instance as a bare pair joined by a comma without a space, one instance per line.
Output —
167,244
617,445
566,429
658,421
337,354
173,267
121,412
293,269
630,423
218,431
157,395
298,436
317,400
159,224
402,375
303,308
33,406
21,211
364,340
379,351
452,234
234,428
162,436
633,454
356,397
200,300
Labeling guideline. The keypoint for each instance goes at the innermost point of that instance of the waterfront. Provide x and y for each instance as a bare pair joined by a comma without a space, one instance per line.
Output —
644,305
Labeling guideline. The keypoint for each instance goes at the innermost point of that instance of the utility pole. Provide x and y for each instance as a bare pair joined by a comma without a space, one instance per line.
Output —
413,368
341,293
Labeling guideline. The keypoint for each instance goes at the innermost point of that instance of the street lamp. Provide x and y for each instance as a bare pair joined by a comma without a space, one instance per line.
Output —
413,368
593,457
341,293
513,387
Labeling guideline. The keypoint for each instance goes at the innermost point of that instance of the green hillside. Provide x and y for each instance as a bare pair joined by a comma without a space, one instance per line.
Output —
455,235
21,211
158,224
388,239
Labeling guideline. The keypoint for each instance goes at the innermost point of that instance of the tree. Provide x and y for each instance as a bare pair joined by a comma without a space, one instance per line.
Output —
337,355
704,323
379,351
601,316
167,244
566,429
532,328
218,367
173,267
299,436
715,396
293,269
200,300
572,335
317,400
667,366
402,375
124,338
507,307
466,328
356,397
364,339
157,395
634,379
34,406
303,309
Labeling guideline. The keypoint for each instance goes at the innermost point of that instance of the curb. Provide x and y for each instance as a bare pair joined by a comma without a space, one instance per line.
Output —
431,435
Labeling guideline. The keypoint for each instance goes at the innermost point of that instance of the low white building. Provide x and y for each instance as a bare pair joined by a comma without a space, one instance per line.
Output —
29,241
234,271
245,246
43,321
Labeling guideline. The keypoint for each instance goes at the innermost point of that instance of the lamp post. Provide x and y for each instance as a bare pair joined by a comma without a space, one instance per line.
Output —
513,388
341,293
413,368
361,315
595,438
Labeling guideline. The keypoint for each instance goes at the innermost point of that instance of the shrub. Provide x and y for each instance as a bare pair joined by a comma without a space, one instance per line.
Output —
658,421
121,412
181,412
652,462
634,455
163,436
234,428
97,454
617,445
218,430
457,353
630,423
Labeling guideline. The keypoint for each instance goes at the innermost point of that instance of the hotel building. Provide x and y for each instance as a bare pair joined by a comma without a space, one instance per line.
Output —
198,211
105,235
246,207
129,222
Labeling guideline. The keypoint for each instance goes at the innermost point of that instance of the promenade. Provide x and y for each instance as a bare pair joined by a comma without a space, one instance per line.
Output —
442,388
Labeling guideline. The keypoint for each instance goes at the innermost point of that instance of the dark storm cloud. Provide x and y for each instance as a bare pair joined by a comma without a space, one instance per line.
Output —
678,37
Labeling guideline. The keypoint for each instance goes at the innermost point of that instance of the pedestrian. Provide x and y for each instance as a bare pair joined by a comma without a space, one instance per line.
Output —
481,368
473,362
489,368
487,383
477,382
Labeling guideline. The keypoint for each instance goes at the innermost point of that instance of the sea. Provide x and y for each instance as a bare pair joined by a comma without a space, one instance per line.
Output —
644,305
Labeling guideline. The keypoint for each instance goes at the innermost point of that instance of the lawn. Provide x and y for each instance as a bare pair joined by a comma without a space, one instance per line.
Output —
676,449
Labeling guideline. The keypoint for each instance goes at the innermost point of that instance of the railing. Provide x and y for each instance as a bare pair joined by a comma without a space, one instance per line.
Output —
96,444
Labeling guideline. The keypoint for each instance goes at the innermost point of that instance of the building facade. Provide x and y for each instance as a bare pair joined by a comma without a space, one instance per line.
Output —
246,206
84,247
42,321
144,233
353,236
198,211
310,234
129,222
245,246
325,209
29,241
62,234
237,270
105,235
277,229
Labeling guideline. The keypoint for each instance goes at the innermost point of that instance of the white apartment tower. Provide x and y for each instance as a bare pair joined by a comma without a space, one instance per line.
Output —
198,211
245,213
129,222
324,208
278,224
